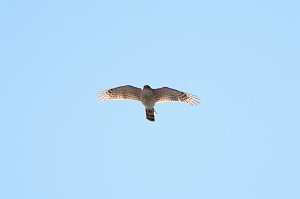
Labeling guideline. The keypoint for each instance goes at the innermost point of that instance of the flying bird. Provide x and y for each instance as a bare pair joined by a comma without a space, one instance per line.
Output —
148,96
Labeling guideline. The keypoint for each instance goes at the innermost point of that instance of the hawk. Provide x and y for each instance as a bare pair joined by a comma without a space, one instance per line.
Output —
148,96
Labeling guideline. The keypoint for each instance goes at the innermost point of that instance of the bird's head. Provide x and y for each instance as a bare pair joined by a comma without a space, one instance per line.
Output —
146,87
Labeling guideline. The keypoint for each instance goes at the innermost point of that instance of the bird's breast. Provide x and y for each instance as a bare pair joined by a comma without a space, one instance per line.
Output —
148,99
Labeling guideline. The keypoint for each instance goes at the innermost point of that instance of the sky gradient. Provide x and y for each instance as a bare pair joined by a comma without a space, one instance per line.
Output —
240,58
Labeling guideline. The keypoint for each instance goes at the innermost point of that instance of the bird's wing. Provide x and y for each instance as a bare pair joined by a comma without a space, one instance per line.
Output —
166,94
120,93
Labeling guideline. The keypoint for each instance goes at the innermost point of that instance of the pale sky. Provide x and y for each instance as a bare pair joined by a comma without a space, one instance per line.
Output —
241,59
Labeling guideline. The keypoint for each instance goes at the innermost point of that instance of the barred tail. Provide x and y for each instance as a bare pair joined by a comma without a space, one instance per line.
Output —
150,114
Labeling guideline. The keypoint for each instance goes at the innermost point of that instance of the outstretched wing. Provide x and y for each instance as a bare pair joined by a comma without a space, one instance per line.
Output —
166,94
120,93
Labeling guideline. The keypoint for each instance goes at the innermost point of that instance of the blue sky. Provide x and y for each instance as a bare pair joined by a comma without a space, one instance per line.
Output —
240,58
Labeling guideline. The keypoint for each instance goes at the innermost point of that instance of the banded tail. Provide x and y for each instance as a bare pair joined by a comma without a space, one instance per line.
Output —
150,114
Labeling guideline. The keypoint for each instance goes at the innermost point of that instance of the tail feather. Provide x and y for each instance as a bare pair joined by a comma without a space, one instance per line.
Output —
150,114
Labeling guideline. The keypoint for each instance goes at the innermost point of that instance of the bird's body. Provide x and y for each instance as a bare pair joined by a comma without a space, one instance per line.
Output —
148,96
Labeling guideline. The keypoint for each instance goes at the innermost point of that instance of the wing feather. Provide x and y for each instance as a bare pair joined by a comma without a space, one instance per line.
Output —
166,94
127,92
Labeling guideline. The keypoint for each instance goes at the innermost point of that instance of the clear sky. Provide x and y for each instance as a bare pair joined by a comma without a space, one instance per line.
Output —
242,58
